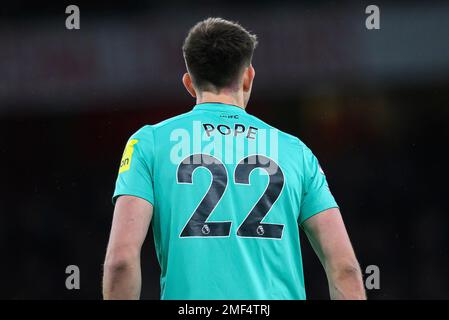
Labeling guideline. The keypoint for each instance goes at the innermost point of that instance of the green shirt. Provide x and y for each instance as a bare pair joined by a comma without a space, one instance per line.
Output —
228,192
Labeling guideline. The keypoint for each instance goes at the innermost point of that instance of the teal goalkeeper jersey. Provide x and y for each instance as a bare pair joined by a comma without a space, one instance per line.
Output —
229,194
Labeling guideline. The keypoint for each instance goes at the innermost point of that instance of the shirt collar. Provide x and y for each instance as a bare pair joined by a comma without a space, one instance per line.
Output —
218,106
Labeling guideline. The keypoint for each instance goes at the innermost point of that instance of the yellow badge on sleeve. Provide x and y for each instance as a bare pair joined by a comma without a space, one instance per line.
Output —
125,164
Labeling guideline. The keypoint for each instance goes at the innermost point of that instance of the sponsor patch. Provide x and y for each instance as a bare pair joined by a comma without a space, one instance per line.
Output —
125,164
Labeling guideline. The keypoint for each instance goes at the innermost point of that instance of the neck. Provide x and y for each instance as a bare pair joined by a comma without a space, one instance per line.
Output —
234,99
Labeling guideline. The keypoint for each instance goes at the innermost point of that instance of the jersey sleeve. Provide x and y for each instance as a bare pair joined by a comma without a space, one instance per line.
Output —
317,196
135,177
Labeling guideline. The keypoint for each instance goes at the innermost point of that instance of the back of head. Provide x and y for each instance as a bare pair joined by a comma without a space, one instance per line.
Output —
216,52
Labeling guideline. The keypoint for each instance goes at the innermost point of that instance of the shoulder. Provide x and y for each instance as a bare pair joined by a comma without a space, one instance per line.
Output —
171,121
285,137
148,131
143,136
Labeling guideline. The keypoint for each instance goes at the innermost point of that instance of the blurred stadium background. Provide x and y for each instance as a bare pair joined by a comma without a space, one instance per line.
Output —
373,105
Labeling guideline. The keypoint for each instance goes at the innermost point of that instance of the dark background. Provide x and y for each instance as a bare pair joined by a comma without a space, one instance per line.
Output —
373,105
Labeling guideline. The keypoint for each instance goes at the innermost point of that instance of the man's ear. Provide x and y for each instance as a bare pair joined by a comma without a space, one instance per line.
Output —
188,84
248,77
